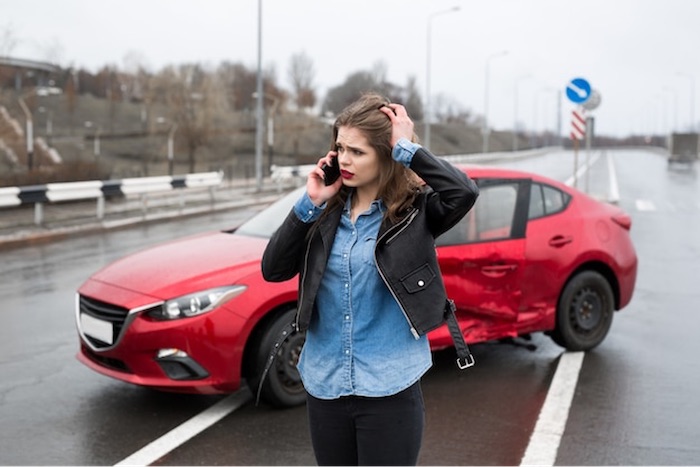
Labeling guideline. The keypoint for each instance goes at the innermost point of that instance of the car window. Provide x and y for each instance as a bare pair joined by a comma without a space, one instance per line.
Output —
554,200
491,218
264,223
536,201
546,200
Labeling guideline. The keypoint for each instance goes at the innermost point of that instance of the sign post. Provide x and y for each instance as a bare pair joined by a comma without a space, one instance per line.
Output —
591,104
578,90
578,131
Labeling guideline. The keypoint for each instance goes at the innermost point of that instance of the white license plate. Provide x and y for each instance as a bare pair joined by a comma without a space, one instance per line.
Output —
97,329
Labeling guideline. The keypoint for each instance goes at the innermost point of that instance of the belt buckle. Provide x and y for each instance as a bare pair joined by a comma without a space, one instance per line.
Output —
468,362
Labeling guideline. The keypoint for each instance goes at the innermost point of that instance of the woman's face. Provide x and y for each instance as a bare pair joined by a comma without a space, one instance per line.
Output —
359,162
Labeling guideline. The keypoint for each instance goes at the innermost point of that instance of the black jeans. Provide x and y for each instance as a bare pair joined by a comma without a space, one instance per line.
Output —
356,430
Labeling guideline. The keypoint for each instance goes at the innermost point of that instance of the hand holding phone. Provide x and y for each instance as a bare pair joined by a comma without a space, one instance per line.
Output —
331,171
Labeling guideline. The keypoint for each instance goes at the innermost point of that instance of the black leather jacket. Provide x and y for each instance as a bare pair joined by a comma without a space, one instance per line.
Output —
405,251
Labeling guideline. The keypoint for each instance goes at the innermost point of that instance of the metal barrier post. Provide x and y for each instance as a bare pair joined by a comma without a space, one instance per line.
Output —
38,213
101,207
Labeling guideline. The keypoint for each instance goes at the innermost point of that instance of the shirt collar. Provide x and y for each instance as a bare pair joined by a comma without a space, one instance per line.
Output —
377,204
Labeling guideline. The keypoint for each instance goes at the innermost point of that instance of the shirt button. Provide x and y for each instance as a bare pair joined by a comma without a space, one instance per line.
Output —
347,317
346,285
310,212
421,283
347,352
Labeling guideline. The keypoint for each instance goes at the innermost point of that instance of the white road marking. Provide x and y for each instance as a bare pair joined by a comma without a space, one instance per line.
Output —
582,169
546,437
644,205
192,427
614,190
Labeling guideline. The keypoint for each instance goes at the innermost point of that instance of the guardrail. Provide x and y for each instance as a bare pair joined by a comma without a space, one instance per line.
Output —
99,190
295,174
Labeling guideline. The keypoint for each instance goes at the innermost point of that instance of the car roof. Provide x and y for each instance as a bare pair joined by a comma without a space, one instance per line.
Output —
486,171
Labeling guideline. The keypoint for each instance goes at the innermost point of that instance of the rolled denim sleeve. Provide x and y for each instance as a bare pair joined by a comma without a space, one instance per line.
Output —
403,151
305,209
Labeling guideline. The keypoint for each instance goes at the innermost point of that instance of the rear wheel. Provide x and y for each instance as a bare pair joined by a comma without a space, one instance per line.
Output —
282,386
584,312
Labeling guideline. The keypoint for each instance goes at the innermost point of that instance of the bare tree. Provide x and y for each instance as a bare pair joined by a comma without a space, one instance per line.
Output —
8,40
188,92
301,75
138,82
412,99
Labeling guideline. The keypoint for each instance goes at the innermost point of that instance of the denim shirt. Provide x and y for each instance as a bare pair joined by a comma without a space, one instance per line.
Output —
359,341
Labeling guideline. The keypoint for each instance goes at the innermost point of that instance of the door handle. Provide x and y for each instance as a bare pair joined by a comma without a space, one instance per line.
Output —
560,240
498,270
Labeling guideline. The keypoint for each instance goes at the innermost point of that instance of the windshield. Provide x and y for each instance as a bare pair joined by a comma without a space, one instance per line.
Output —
264,223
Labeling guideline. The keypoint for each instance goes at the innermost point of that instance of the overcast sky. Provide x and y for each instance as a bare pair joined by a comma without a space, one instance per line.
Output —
640,55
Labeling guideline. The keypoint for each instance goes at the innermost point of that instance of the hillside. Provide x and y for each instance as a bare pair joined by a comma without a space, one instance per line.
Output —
106,139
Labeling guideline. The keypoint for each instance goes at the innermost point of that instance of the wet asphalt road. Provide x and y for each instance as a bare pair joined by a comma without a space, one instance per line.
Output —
636,401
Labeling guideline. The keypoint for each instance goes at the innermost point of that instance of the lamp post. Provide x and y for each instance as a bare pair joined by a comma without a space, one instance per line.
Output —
535,114
171,148
485,128
29,132
674,123
515,109
270,127
95,138
691,80
259,108
428,104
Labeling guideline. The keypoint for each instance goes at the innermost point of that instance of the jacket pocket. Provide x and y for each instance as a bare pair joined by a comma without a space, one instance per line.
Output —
418,279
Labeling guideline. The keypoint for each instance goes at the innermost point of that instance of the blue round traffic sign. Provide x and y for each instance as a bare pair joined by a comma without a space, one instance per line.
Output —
578,90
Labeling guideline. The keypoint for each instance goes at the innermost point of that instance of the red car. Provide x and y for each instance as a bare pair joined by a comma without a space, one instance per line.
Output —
195,315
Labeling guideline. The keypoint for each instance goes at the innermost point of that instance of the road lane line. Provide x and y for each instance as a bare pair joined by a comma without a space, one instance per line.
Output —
192,427
614,190
546,437
644,205
582,170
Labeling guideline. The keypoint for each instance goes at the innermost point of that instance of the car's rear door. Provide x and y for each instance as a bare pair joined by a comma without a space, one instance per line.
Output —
554,234
482,257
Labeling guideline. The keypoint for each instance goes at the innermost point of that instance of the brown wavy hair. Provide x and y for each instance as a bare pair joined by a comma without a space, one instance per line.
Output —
398,185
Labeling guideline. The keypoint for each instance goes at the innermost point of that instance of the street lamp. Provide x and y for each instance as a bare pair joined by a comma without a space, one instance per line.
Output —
29,131
49,124
485,129
428,105
692,98
270,126
535,114
95,138
675,107
171,148
259,108
515,110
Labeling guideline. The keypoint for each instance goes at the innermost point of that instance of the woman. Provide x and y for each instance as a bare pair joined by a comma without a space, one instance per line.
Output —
370,287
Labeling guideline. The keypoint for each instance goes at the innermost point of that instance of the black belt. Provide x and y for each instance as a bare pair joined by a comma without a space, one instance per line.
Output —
281,337
465,359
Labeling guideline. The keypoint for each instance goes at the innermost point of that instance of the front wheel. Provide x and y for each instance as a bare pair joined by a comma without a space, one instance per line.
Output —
282,386
584,312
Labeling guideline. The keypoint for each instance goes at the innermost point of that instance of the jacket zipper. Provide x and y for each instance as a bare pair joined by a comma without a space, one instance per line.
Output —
404,227
406,223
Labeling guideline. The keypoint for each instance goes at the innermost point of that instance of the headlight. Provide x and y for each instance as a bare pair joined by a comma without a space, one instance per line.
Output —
196,304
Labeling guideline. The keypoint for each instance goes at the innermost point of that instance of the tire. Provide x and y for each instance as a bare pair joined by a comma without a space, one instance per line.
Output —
584,312
282,386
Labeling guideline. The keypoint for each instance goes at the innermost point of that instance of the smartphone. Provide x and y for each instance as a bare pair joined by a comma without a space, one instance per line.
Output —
331,171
